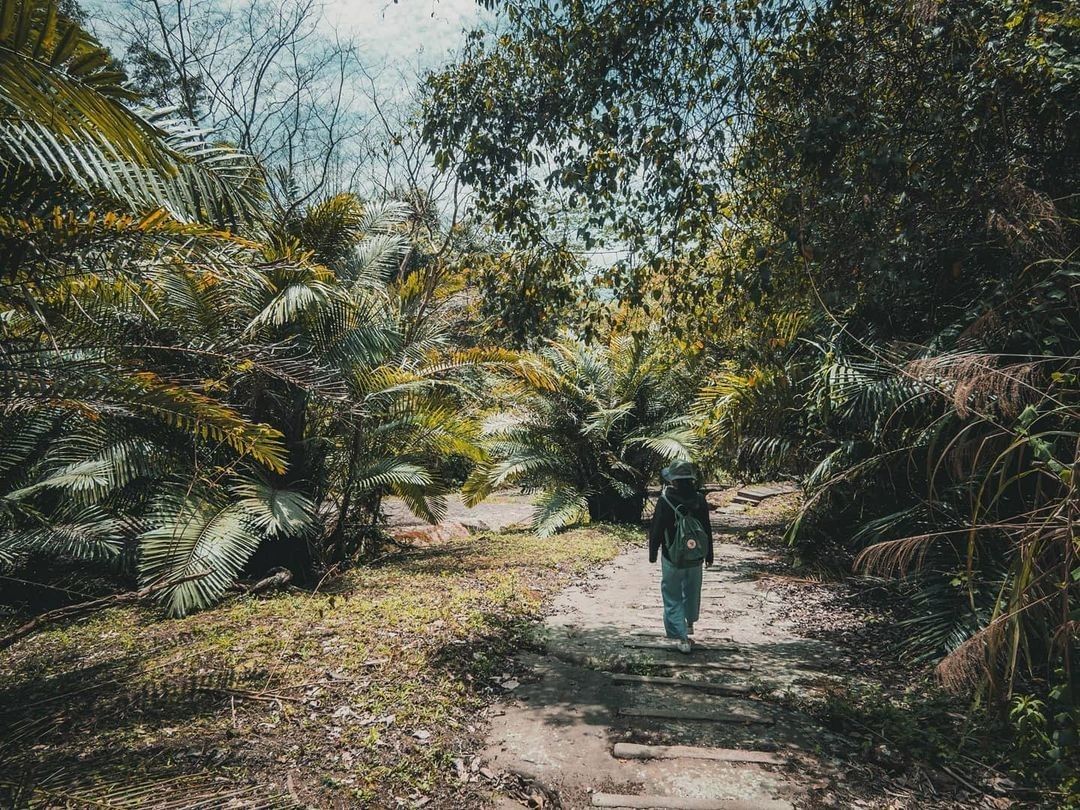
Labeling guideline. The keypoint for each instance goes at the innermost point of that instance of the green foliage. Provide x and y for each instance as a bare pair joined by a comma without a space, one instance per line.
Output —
919,722
527,297
605,125
592,424
182,391
1045,739
65,118
938,393
621,111
867,215
914,161
192,536
922,724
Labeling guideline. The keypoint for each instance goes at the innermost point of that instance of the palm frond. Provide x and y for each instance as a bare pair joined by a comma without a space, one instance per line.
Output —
558,508
87,534
194,535
392,473
276,512
66,118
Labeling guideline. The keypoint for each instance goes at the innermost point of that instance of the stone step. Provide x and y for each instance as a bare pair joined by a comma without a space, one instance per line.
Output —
751,495
637,751
703,717
761,491
646,802
660,680
742,500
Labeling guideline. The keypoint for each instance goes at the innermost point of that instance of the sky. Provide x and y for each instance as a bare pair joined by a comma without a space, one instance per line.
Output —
397,42
412,34
395,36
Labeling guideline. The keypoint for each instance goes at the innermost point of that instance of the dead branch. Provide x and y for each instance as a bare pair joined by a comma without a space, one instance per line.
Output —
94,605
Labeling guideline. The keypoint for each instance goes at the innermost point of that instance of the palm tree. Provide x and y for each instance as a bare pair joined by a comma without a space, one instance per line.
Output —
69,135
116,279
589,426
390,345
125,359
171,385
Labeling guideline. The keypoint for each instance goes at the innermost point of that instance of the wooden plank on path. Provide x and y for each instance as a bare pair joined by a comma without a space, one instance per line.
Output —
705,634
704,717
660,680
670,645
699,665
636,751
646,802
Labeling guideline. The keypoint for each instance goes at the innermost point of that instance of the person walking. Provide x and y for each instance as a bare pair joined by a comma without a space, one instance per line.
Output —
682,536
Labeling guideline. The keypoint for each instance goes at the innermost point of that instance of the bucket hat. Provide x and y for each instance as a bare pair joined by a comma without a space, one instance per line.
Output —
677,470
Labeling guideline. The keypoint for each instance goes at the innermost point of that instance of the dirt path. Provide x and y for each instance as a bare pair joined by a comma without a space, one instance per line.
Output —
499,511
595,687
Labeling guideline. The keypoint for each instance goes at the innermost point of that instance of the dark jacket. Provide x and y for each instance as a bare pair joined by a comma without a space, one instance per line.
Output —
663,521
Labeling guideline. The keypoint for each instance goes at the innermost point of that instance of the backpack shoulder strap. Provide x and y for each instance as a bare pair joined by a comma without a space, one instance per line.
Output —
669,502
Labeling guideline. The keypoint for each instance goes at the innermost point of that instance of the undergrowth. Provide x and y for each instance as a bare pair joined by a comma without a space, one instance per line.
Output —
366,691
1026,752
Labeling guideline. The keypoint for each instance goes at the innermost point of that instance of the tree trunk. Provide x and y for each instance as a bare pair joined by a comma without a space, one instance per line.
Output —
302,473
337,538
611,507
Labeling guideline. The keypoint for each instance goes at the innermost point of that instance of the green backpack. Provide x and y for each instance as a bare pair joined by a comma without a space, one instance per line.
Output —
690,544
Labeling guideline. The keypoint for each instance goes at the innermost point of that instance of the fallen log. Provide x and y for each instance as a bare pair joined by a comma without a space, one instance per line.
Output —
278,578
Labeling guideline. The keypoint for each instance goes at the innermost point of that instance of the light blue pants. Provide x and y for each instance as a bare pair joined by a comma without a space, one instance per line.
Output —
681,590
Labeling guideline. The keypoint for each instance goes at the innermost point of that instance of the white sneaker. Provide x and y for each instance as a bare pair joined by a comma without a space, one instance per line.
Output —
684,646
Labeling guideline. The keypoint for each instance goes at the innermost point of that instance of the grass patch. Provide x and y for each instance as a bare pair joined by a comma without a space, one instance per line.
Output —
363,693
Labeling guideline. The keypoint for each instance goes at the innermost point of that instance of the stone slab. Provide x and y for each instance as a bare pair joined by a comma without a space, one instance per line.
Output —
703,717
670,645
699,665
